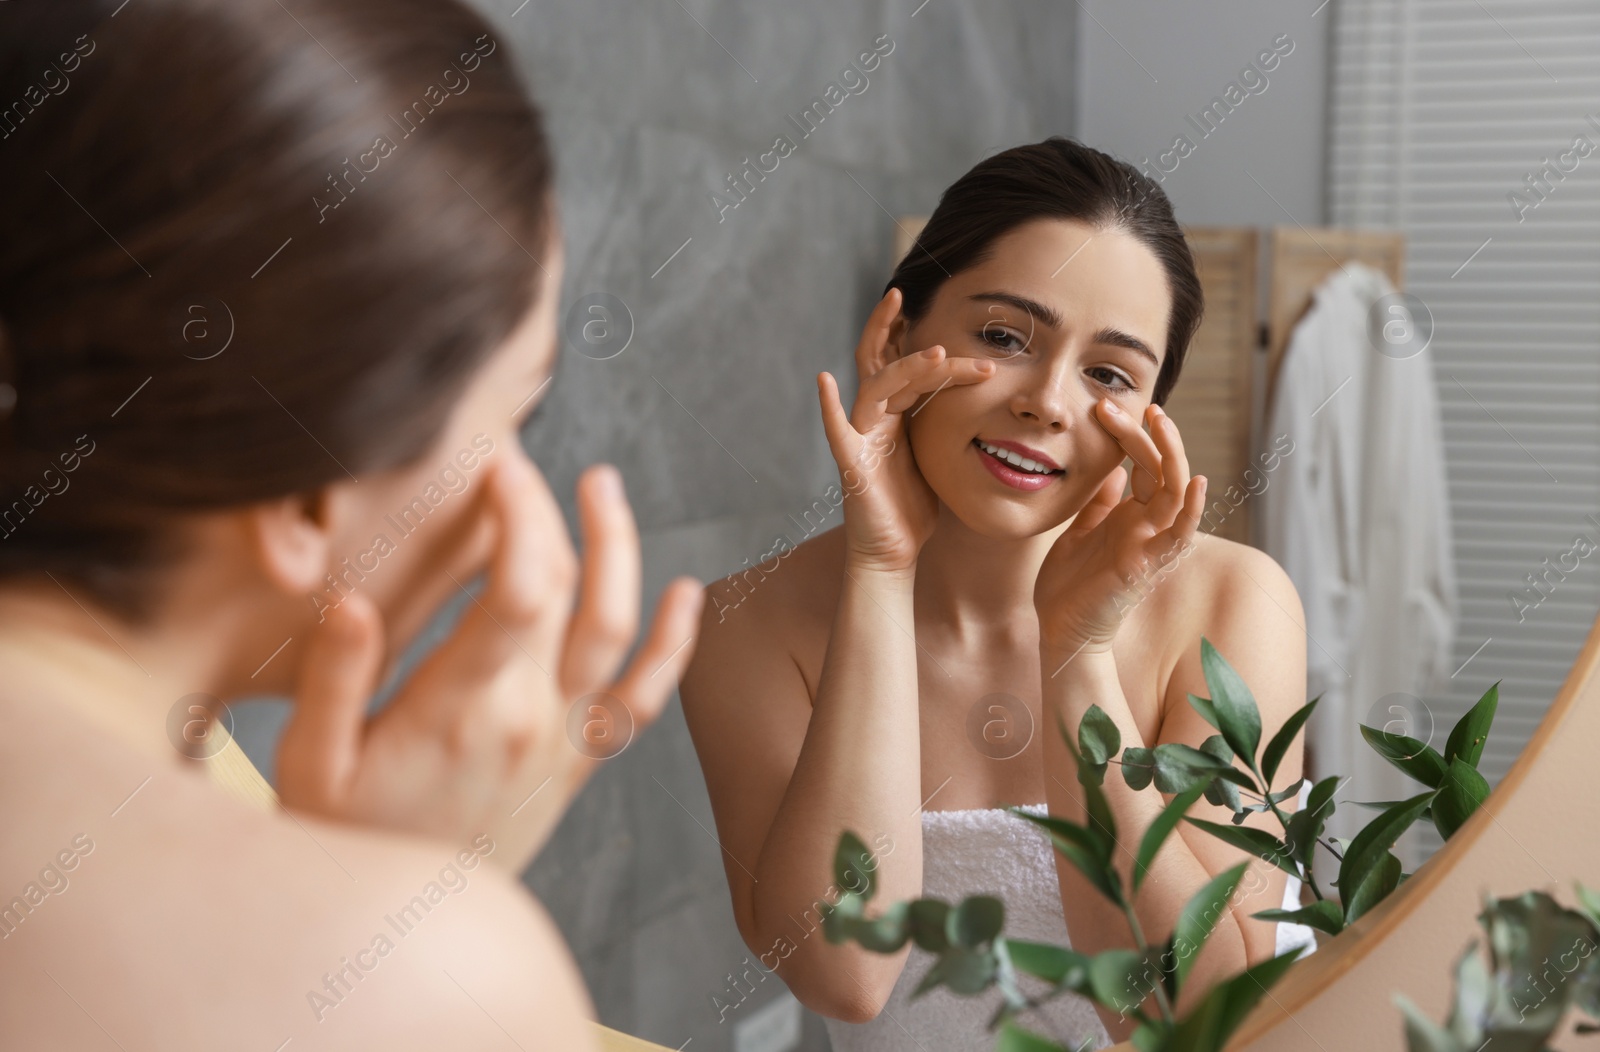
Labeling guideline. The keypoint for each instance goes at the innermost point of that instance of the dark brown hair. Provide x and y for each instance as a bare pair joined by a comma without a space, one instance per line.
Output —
1058,178
246,249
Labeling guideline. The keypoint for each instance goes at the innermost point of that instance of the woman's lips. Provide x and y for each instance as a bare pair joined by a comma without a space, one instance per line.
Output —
1012,476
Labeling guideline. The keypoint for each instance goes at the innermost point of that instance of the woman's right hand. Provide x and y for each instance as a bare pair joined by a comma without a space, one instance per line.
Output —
889,510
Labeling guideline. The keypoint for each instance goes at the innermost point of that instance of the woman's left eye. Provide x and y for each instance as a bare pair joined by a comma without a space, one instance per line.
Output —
1116,380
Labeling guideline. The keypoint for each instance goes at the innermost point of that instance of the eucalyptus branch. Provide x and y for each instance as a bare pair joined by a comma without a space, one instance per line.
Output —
1144,952
973,955
1307,876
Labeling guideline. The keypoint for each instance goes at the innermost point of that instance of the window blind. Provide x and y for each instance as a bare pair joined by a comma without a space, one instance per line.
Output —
1474,128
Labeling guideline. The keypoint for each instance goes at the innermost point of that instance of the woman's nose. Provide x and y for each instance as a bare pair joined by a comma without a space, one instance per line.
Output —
1043,402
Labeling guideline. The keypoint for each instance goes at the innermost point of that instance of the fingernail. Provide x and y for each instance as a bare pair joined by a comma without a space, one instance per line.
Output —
931,352
610,481
1111,407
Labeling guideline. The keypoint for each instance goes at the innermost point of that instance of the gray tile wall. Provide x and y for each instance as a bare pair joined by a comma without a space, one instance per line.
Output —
711,410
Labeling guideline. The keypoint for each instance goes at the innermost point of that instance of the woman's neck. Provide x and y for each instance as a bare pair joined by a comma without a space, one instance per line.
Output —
977,585
56,651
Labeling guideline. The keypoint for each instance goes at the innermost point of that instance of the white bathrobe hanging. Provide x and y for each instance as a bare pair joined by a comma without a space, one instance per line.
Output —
1358,515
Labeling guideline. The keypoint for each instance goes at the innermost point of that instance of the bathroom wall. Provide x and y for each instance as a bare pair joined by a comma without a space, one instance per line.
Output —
1148,72
710,408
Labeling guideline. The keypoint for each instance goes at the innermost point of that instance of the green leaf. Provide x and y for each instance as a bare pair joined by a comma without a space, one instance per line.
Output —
1102,875
1149,1037
1368,847
1180,767
1217,746
1200,915
853,866
1164,824
1221,791
883,934
1323,915
1098,737
1378,881
1100,820
1056,965
1234,704
968,971
1098,811
1257,842
1224,793
1306,825
1207,711
1169,968
1115,979
975,921
1422,1033
1475,1005
836,921
1278,747
933,978
1589,903
1015,1039
1138,766
1088,849
1091,840
1095,806
1416,759
1528,934
1460,793
926,921
1244,811
1472,729
1208,1027
1292,789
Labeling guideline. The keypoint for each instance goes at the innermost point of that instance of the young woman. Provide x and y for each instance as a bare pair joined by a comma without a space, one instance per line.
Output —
902,675
274,304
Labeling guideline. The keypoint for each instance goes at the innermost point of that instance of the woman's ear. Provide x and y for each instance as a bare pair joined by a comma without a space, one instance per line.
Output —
895,344
291,540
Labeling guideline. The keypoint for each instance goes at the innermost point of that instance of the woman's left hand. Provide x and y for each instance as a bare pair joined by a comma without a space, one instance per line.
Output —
1116,548
501,724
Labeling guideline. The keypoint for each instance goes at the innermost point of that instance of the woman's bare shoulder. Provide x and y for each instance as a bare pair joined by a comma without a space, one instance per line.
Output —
125,879
794,588
1225,590
767,623
1232,570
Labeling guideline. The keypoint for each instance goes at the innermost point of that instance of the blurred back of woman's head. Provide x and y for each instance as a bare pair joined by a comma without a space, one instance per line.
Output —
246,249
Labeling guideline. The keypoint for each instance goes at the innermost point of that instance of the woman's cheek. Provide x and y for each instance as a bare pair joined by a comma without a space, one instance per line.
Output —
1095,447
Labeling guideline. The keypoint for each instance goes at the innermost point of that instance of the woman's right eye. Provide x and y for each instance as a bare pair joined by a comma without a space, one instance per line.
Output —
1002,341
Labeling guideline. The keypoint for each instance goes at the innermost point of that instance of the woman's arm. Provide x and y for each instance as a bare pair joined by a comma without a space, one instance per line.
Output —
1255,623
788,773
1115,550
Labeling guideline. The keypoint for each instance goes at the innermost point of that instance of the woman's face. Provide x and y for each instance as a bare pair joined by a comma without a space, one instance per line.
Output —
1070,314
410,539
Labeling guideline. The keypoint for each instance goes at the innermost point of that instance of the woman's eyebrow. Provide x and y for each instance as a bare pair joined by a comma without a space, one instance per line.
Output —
1051,318
1118,338
1043,313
